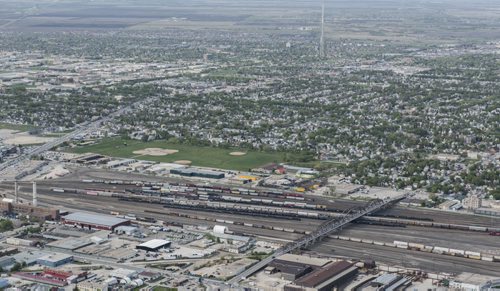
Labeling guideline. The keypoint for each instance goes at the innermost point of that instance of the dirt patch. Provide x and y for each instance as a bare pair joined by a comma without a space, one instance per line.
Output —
14,137
157,152
237,154
183,162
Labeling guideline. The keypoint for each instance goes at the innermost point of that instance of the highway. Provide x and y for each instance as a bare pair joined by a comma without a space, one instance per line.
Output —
81,129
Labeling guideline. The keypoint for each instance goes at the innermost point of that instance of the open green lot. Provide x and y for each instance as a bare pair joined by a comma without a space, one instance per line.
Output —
202,156
19,127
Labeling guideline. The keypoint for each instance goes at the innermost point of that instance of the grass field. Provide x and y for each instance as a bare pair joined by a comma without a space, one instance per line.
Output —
19,127
200,156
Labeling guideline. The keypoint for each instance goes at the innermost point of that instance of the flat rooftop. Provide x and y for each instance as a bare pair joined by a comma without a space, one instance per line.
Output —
154,243
94,219
70,243
321,275
55,257
306,260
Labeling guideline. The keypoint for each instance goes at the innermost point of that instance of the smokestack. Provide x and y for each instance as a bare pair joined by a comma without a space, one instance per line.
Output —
35,198
322,37
16,193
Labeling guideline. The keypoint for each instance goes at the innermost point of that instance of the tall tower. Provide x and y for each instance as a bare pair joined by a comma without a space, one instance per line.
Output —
322,37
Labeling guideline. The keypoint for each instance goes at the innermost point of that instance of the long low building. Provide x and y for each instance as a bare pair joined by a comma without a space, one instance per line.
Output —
94,221
55,260
191,172
331,276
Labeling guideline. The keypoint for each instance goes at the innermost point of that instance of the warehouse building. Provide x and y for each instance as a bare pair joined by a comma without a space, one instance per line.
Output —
191,172
290,271
119,163
54,261
154,245
127,230
42,213
389,282
94,221
29,257
327,278
6,263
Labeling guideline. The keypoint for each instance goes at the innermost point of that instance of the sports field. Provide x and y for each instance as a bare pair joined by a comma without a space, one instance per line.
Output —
199,155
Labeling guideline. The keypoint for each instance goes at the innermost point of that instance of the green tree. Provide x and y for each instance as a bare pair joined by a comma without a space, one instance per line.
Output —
6,225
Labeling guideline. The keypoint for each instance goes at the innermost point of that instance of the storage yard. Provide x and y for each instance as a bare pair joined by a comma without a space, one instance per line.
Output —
180,204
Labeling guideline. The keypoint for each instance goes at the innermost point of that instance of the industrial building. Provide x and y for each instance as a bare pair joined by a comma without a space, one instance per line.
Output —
29,257
94,221
55,260
472,202
119,163
42,213
48,277
6,263
389,282
90,159
19,242
70,243
290,271
191,172
154,245
127,230
239,244
30,210
331,276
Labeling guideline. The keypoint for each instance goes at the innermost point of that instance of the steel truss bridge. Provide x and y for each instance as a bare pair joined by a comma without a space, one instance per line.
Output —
322,231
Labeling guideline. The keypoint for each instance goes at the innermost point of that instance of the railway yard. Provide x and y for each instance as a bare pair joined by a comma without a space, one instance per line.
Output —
414,238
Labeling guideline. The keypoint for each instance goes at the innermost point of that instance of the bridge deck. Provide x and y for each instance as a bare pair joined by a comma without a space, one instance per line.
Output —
324,229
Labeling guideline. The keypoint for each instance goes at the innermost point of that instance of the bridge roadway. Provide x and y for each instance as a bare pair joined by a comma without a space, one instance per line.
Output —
323,230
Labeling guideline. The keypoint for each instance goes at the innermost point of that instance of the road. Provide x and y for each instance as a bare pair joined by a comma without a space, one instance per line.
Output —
80,130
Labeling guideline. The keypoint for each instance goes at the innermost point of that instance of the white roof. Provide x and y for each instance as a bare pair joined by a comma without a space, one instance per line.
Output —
220,229
123,273
154,243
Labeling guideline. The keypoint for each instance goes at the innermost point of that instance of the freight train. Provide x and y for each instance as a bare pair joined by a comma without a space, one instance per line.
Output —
425,223
235,208
203,189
